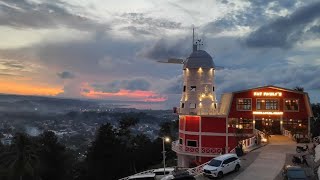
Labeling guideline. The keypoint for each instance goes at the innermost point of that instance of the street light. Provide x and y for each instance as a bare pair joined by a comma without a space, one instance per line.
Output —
164,139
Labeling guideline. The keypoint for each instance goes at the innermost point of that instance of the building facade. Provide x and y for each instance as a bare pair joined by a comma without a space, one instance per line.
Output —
208,128
271,109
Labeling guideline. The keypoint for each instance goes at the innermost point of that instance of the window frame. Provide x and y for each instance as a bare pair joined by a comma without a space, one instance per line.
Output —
243,109
195,106
284,105
188,140
278,109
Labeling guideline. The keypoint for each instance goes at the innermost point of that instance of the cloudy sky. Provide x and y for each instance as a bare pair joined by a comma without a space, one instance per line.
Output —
108,49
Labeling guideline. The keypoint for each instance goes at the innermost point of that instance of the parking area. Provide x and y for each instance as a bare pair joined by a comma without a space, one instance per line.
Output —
264,163
246,160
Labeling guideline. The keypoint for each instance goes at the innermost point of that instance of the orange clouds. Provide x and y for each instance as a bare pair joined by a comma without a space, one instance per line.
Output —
138,95
28,89
10,87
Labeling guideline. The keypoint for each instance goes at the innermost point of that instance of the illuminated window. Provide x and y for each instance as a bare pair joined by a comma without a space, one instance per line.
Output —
192,143
291,105
244,104
267,104
193,105
193,88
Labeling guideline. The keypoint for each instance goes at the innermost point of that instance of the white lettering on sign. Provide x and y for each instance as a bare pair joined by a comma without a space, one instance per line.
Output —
267,113
267,93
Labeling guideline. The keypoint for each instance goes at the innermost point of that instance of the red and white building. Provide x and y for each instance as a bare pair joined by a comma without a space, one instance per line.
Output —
208,128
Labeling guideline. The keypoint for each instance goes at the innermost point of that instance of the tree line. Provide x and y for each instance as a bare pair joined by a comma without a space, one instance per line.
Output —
115,152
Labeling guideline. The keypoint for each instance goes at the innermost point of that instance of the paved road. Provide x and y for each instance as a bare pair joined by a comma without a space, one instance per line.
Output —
264,163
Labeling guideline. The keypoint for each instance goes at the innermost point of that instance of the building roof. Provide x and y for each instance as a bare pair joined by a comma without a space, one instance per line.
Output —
197,59
305,94
272,87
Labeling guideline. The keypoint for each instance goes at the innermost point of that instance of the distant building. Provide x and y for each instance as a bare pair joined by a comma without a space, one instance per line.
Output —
208,128
6,139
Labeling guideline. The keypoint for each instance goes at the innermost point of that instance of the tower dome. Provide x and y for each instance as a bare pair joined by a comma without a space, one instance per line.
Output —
197,59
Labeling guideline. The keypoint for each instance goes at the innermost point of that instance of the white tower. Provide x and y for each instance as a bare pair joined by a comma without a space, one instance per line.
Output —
198,96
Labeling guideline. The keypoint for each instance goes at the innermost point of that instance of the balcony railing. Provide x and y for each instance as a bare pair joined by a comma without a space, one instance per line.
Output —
205,151
199,111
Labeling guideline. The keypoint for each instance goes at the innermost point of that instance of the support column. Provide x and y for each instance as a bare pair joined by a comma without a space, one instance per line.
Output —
227,136
200,136
281,124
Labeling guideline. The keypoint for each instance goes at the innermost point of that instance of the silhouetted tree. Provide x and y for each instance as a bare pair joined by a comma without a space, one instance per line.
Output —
55,161
106,155
298,88
20,160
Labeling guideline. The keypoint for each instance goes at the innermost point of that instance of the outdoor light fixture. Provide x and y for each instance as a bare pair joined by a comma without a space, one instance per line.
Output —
164,139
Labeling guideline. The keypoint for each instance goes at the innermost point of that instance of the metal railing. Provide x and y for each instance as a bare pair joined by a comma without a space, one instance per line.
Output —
179,148
287,133
213,111
258,132
193,171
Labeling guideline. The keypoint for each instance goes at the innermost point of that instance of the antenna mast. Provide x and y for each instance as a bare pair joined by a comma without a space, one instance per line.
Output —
194,46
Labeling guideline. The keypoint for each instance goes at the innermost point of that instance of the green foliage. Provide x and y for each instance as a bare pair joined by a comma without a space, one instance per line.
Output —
115,152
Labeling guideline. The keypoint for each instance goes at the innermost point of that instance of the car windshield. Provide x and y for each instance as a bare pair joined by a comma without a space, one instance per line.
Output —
215,163
296,174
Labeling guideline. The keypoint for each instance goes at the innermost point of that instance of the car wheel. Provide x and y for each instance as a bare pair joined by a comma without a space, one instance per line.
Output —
220,175
236,169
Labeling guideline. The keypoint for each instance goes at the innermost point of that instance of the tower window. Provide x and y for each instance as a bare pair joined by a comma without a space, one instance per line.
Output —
184,88
193,105
180,141
193,88
212,88
182,105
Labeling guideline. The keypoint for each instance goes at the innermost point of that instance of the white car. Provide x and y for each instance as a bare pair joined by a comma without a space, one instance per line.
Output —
221,165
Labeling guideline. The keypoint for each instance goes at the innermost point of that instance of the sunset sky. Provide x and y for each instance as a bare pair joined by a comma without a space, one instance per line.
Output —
108,49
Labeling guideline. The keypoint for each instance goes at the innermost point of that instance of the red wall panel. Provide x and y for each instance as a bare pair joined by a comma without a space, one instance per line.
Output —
181,122
213,124
192,123
213,141
191,137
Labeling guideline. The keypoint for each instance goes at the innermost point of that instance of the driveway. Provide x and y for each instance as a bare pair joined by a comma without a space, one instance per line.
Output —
264,163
